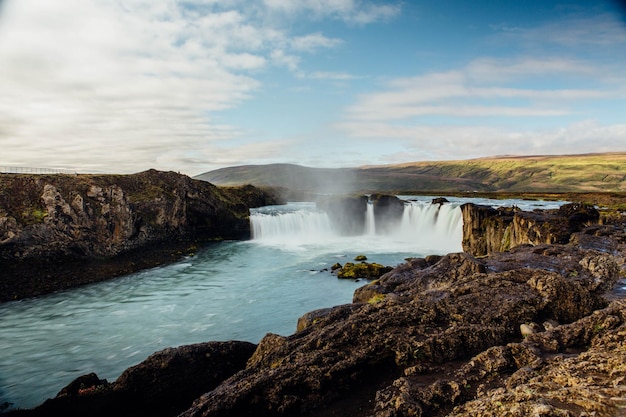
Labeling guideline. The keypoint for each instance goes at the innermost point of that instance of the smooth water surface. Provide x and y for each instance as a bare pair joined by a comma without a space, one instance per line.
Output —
227,291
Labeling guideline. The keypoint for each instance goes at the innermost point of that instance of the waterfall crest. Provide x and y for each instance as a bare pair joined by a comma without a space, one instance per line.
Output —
422,227
291,223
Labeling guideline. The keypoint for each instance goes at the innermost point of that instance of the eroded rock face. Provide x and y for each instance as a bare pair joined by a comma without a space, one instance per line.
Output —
487,230
105,215
577,369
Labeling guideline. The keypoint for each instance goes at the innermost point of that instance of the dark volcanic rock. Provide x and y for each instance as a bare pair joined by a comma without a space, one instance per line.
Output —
165,384
347,213
577,369
52,227
388,210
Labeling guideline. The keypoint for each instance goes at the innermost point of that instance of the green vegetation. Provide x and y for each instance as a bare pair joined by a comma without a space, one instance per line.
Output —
527,174
362,270
376,299
34,216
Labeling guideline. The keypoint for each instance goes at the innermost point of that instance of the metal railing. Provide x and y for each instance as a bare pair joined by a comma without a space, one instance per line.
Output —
37,171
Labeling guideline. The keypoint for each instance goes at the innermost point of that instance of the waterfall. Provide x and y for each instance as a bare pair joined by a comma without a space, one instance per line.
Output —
438,225
291,223
423,227
370,220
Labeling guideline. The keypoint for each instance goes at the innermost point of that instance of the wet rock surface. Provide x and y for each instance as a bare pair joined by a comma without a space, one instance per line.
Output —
445,335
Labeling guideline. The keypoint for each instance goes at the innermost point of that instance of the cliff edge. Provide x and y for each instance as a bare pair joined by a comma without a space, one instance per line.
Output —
57,231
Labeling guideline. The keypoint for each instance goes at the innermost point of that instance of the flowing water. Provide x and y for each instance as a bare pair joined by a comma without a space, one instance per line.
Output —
227,291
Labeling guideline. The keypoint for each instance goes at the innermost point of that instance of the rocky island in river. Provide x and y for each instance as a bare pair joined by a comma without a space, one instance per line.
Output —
530,319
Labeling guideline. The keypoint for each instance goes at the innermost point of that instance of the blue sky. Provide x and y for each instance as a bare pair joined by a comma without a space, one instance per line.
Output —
190,86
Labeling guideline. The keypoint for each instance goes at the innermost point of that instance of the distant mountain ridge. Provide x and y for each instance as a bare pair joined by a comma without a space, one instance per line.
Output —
601,172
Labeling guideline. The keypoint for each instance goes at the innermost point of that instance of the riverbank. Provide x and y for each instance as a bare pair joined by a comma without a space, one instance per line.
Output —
60,231
538,329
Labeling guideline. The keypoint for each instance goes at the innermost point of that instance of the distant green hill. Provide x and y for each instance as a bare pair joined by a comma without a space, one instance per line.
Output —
533,174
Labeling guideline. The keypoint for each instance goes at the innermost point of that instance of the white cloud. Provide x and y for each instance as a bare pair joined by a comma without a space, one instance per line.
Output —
335,76
112,86
283,59
352,11
441,142
600,30
373,13
485,87
491,70
320,7
314,41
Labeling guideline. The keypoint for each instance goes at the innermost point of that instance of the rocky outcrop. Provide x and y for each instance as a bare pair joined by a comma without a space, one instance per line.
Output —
347,213
388,210
365,270
386,355
165,384
486,229
53,225
572,370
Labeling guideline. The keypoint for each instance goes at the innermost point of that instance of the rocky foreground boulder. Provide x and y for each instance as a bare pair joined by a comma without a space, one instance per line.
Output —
165,384
57,231
538,330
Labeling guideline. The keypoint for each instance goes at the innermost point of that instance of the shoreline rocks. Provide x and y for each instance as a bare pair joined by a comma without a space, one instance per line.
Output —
164,384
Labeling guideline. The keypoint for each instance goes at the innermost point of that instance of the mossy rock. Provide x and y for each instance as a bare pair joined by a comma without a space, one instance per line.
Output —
335,267
360,258
363,270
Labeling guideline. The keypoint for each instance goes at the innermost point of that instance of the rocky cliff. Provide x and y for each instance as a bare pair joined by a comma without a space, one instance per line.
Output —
487,230
57,231
537,330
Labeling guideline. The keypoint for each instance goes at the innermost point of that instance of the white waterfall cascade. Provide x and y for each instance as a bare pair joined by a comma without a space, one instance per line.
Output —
435,226
424,227
370,220
293,223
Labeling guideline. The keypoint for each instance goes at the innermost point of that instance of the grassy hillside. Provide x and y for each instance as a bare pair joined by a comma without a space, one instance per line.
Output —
539,174
293,177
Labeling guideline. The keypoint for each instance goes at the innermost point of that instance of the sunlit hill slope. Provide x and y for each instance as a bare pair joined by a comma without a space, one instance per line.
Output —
541,174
